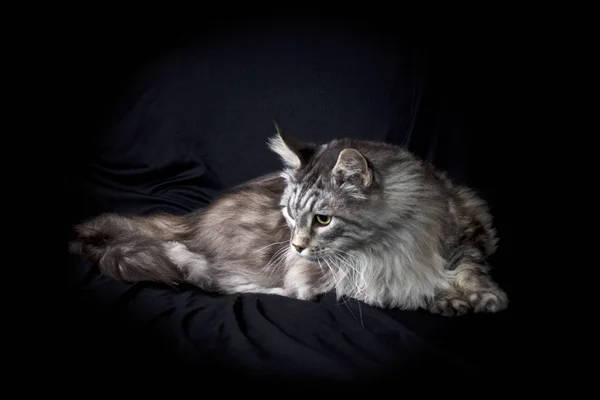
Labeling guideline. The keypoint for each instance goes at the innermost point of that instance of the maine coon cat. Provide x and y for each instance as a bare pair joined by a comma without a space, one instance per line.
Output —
368,220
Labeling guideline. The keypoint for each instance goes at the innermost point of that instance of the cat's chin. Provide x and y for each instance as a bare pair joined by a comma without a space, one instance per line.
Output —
309,258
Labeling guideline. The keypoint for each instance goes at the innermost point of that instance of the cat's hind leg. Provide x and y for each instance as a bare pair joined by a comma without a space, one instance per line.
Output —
472,290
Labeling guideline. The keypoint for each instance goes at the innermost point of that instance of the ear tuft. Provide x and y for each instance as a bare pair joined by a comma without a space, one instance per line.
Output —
292,152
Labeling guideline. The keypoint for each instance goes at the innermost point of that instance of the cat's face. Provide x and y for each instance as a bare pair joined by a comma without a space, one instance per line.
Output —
325,198
324,221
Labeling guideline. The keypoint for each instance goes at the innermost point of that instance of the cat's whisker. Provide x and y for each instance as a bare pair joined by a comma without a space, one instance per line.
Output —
267,246
362,288
320,267
360,313
331,270
346,258
276,260
273,258
338,284
353,268
362,277
277,255
341,259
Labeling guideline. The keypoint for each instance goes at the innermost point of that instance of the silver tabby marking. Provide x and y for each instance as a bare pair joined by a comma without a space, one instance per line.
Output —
366,219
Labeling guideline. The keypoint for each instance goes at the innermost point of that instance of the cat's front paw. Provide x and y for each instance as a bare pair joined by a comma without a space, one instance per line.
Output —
303,293
450,306
488,301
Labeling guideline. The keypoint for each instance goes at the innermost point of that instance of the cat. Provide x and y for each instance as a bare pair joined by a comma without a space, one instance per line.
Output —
368,220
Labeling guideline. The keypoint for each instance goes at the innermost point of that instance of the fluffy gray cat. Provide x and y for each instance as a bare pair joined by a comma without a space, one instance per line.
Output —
367,220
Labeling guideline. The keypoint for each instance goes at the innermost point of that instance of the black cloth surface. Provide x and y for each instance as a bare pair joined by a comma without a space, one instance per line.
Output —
175,120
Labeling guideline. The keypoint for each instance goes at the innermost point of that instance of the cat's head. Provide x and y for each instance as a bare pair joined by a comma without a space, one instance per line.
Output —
329,195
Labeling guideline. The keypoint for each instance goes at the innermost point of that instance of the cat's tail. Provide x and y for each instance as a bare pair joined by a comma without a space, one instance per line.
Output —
131,249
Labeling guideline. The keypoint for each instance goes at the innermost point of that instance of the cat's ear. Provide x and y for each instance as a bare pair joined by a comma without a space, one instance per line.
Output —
352,166
293,152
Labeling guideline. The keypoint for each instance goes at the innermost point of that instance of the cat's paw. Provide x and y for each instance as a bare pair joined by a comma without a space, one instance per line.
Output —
302,293
450,306
488,301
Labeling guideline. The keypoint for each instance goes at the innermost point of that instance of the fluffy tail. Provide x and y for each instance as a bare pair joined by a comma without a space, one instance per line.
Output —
131,249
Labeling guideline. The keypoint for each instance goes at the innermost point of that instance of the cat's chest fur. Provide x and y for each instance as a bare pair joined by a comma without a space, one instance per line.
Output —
388,279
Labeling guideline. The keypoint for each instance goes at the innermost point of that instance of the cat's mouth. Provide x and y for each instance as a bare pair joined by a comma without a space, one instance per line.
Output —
307,256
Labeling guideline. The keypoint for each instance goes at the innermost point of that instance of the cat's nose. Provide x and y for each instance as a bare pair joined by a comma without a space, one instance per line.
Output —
298,248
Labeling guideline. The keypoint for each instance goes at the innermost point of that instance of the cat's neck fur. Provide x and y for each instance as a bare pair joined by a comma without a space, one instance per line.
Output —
387,277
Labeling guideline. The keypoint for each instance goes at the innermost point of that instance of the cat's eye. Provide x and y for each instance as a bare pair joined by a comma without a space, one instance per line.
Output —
323,219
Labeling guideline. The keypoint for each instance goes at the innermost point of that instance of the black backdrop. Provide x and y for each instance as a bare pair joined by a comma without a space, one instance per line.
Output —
215,88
